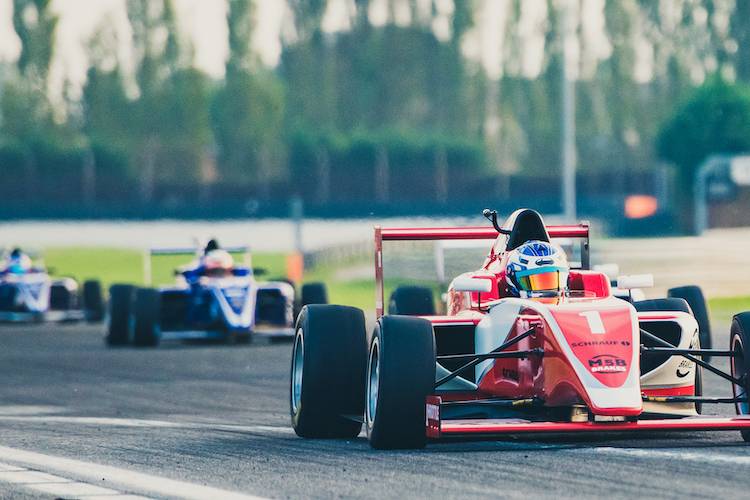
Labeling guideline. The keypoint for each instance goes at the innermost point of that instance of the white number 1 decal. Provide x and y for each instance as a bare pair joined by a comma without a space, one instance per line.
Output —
595,322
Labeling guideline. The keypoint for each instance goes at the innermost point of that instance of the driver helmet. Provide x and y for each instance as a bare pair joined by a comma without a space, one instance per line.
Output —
18,262
537,268
218,260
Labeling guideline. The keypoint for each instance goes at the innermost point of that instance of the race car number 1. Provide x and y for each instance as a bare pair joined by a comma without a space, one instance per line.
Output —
595,322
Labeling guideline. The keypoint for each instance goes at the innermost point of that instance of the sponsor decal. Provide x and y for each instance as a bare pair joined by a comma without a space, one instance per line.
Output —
684,369
594,343
432,411
606,363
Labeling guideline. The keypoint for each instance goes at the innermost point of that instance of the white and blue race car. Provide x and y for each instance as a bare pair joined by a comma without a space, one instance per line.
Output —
212,299
28,294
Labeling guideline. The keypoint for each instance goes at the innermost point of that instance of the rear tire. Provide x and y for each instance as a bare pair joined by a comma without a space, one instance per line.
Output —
400,375
412,301
313,293
739,342
147,308
329,357
670,304
120,306
61,298
697,302
93,301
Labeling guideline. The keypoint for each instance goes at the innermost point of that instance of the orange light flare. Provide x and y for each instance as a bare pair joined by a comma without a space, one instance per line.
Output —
640,206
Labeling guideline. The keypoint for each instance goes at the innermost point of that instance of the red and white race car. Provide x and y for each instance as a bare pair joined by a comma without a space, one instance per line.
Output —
582,361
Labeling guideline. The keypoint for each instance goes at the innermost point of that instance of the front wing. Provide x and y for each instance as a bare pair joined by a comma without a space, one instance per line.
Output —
436,428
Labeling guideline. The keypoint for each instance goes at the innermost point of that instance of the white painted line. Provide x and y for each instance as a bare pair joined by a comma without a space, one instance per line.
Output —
123,478
52,484
117,497
30,477
16,410
73,490
7,468
103,421
129,422
687,456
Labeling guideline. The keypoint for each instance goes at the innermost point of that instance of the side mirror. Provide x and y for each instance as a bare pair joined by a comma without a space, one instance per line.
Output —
260,271
635,281
466,284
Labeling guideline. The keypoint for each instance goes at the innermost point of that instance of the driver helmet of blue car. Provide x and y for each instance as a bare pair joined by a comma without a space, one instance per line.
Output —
217,263
17,262
537,269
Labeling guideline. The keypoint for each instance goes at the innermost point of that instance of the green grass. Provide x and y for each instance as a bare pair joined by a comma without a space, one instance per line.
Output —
112,265
723,308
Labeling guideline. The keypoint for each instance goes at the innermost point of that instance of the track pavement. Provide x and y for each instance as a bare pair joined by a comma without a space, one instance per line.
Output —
211,421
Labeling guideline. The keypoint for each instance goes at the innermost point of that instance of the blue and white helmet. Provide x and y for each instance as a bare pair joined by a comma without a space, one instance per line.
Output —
536,267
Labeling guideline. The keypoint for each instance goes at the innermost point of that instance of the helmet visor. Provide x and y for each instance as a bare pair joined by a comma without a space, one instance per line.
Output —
538,280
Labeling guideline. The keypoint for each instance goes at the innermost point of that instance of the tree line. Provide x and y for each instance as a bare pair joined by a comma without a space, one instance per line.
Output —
384,111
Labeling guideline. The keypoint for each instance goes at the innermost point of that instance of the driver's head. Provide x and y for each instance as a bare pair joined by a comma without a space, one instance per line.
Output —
218,260
212,245
16,253
537,268
19,263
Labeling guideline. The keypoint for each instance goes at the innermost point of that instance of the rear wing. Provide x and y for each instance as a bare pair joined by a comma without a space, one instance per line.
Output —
577,231
196,252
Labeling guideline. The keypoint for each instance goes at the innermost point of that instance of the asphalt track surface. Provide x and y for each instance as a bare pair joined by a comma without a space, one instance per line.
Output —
79,420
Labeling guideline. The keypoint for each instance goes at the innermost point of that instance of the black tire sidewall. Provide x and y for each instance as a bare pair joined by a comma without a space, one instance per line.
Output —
668,304
407,376
313,293
335,354
93,300
693,295
146,312
412,301
120,304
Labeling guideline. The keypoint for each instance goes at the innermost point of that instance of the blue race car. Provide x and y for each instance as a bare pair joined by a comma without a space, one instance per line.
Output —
28,294
212,299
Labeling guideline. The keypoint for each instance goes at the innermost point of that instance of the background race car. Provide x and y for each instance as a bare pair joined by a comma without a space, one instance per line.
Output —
210,299
29,294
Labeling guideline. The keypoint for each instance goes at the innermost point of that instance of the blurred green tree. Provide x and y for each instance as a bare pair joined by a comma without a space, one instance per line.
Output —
714,119
247,111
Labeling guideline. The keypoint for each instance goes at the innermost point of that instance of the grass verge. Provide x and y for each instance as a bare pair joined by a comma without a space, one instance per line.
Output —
116,265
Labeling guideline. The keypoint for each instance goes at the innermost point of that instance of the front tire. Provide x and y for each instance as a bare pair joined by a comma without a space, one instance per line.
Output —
120,306
400,375
739,342
93,301
147,308
326,390
658,305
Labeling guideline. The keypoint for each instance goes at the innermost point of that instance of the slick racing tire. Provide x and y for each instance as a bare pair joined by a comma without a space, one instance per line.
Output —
739,344
61,298
670,304
313,293
329,357
412,301
146,312
120,305
697,302
400,375
93,301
